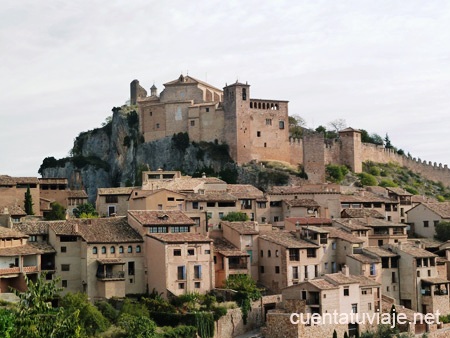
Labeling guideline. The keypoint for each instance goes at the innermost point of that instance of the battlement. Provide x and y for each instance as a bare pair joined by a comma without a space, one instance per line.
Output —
266,104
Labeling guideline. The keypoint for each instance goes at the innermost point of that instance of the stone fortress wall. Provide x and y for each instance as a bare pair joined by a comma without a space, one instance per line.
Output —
257,129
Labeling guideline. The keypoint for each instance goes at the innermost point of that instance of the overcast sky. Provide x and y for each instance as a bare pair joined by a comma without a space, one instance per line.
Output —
383,66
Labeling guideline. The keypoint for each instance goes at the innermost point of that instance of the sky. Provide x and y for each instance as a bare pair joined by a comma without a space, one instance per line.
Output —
382,66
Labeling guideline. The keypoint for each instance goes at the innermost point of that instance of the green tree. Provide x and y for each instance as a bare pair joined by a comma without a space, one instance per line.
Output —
367,179
387,142
296,125
336,173
6,323
137,326
235,216
86,210
442,230
28,202
58,212
247,291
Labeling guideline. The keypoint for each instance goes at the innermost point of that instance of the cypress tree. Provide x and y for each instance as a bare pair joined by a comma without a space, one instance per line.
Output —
28,202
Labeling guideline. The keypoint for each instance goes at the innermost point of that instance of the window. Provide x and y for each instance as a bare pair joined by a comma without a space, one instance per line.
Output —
269,253
32,238
258,134
311,253
157,126
65,267
197,285
333,245
425,224
281,124
394,279
180,285
429,273
194,205
277,269
192,123
112,250
277,253
130,249
161,230
94,250
346,291
103,249
295,272
354,308
64,283
63,249
191,252
261,269
306,272
170,199
151,113
138,248
369,305
176,229
181,272
177,252
207,110
268,122
262,253
325,266
112,199
418,273
120,249
207,252
131,268
294,255
373,269
244,94
197,271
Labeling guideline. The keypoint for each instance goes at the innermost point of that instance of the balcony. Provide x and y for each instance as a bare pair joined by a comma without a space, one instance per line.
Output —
313,301
8,271
118,275
28,269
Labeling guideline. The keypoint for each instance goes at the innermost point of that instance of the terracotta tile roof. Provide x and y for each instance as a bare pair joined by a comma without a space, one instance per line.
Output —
313,188
77,194
217,196
351,223
319,230
341,234
242,191
310,220
422,199
13,210
364,258
183,184
360,213
377,190
365,281
243,228
212,180
435,280
349,129
161,217
440,208
426,242
98,230
322,284
339,278
53,180
376,222
138,193
7,233
304,202
32,228
365,197
26,180
181,237
115,191
6,180
286,239
399,191
227,249
380,252
43,246
25,250
415,251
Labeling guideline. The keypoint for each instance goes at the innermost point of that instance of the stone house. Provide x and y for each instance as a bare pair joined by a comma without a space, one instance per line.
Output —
425,216
229,260
300,208
57,190
102,257
112,201
13,189
357,227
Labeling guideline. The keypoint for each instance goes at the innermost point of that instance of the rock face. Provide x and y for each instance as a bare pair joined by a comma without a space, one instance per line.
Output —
115,155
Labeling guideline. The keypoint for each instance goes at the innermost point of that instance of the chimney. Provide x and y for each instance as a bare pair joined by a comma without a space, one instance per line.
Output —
203,175
297,229
6,211
346,270
75,227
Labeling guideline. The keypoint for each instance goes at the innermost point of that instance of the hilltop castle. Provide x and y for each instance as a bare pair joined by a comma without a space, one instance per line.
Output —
255,129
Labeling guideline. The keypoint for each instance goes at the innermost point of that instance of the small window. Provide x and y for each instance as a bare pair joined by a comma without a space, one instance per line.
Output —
138,248
197,271
207,252
346,291
277,253
269,253
112,250
268,122
32,238
130,249
191,252
277,269
180,285
425,224
120,249
151,113
258,134
157,126
63,249
261,269
177,252
64,283
281,124
65,267
262,253
418,273
197,285
103,249
192,123
94,250
207,110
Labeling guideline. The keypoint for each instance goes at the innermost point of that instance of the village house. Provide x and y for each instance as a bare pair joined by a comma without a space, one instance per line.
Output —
425,216
112,201
102,257
13,189
57,190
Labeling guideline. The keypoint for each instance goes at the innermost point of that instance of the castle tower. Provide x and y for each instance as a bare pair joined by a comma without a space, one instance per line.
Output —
153,91
136,92
314,157
236,106
351,153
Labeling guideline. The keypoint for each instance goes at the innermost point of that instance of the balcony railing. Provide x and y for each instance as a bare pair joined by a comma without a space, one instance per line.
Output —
238,266
30,269
111,275
6,271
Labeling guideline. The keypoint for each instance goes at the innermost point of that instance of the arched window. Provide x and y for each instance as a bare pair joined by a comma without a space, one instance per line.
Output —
138,248
112,249
251,104
103,249
269,253
130,249
94,250
121,249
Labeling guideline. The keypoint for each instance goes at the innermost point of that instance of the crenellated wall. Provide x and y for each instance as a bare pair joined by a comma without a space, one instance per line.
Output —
296,151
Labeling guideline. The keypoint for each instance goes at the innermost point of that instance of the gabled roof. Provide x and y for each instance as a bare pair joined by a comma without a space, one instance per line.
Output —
399,191
161,217
98,230
6,233
286,239
302,202
415,251
244,191
351,223
115,191
341,234
305,189
77,194
442,209
363,258
243,228
349,129
32,228
26,250
227,249
181,237
188,80
214,196
339,278
379,251
365,197
13,210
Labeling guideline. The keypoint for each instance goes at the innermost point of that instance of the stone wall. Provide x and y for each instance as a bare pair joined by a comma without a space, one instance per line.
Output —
314,157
